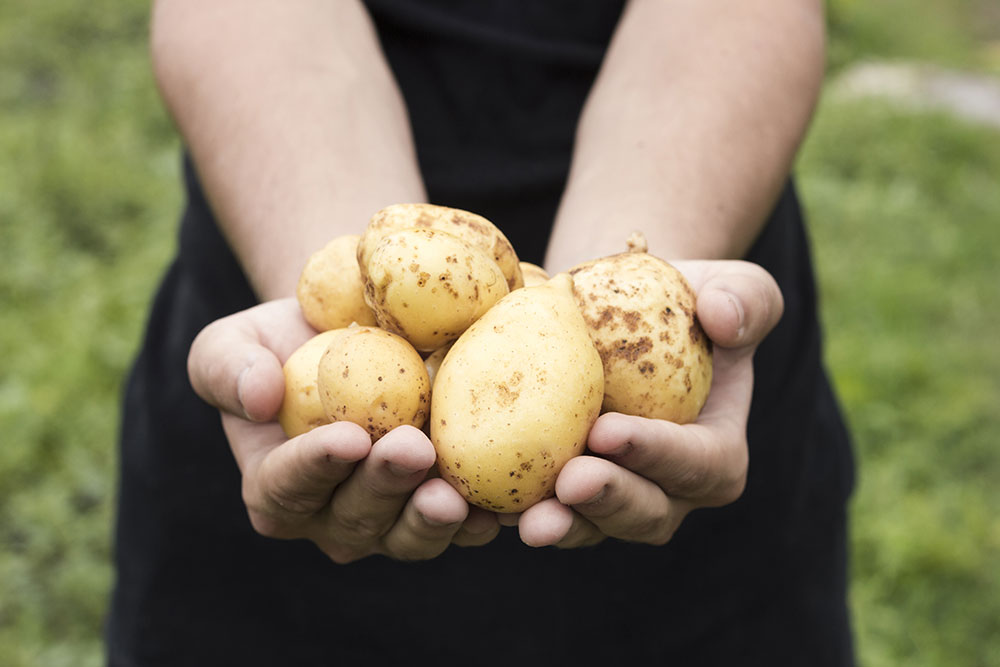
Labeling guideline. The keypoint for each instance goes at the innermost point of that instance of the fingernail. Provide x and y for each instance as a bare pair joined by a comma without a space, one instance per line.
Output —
740,317
620,451
240,382
432,522
596,498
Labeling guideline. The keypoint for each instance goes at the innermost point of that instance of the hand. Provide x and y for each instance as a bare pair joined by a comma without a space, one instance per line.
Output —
331,485
645,475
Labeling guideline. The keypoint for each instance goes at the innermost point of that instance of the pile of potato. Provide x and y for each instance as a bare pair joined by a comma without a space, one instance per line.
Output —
429,319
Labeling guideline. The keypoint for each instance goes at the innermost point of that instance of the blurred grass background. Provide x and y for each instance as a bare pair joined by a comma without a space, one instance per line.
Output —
904,207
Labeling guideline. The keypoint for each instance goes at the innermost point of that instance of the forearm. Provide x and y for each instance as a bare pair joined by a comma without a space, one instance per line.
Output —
294,121
691,128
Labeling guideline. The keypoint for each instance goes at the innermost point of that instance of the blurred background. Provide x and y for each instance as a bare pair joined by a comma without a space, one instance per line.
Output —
901,179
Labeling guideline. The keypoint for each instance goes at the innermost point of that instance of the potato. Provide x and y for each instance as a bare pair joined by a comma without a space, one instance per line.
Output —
375,379
301,409
641,315
433,362
515,398
428,286
533,274
330,290
473,229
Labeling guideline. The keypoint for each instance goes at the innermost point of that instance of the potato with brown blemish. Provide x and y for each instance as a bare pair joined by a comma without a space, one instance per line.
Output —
428,286
375,379
515,398
640,312
330,290
473,229
533,274
301,409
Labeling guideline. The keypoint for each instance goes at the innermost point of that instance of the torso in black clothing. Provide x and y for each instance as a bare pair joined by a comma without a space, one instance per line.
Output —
494,89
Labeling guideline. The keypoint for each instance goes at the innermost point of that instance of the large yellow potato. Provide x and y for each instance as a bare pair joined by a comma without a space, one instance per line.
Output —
375,379
330,290
473,229
641,315
515,398
301,409
428,286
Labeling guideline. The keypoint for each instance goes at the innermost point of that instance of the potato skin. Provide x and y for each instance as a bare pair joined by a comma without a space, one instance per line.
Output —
428,286
533,274
640,312
330,290
473,229
515,398
375,379
301,409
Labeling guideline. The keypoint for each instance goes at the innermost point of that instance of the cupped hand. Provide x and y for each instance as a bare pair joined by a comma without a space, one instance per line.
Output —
332,485
641,477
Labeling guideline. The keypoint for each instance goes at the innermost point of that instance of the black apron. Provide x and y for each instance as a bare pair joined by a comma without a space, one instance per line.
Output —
494,89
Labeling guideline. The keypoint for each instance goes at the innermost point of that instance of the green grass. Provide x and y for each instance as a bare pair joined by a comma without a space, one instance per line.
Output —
87,206
904,209
904,214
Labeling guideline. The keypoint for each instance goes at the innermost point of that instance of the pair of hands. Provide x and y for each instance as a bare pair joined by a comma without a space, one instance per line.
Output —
354,498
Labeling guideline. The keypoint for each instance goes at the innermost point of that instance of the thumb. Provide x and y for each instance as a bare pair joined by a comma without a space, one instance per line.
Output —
739,303
234,362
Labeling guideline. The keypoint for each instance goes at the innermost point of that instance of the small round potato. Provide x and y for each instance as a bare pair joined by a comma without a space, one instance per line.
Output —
533,274
375,379
473,229
330,289
641,314
301,409
429,286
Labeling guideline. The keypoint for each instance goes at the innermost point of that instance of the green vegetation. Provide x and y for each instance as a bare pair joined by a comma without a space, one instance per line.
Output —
904,210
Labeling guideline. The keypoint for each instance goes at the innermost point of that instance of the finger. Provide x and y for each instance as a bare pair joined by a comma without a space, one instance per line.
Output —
284,487
235,363
739,302
369,502
551,523
545,523
704,461
509,519
432,517
618,502
480,527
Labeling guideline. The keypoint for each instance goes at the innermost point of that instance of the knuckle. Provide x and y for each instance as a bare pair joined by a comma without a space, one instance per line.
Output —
730,490
355,528
293,503
414,552
343,555
656,530
268,526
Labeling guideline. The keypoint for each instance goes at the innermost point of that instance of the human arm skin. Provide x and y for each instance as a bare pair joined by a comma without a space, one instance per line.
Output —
691,128
299,134
688,135
296,126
